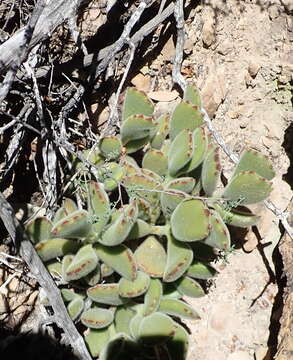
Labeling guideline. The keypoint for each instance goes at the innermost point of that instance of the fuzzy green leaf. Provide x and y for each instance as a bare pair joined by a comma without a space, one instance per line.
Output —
52,248
185,116
189,287
75,225
211,170
118,257
251,160
180,152
152,297
178,308
83,263
219,236
39,229
135,287
97,318
151,257
105,294
179,257
136,102
247,186
190,220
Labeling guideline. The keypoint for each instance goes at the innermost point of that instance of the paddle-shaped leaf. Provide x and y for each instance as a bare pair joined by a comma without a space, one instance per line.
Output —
118,231
75,308
251,160
136,102
185,116
200,270
52,248
179,257
98,206
180,152
237,217
219,236
76,225
200,146
161,131
192,95
190,220
133,288
136,127
189,287
247,186
122,319
177,308
156,328
97,318
96,340
151,257
84,262
39,229
152,297
110,147
156,161
211,169
105,294
118,257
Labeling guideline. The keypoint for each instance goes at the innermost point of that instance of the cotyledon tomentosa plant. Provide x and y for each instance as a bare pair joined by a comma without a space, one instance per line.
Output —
136,260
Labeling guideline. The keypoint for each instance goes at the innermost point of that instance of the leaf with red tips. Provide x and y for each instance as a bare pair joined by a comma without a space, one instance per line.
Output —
211,169
118,257
219,236
97,318
247,186
118,231
136,102
75,225
98,206
84,262
136,127
190,220
179,257
105,294
185,116
180,152
52,248
251,160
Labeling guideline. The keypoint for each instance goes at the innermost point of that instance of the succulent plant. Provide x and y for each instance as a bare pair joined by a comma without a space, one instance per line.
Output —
136,256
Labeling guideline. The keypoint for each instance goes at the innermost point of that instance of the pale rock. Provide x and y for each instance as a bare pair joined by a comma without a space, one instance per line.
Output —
221,319
251,241
253,69
239,355
208,32
3,304
274,12
142,82
233,114
225,47
288,5
168,51
214,91
188,46
260,352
